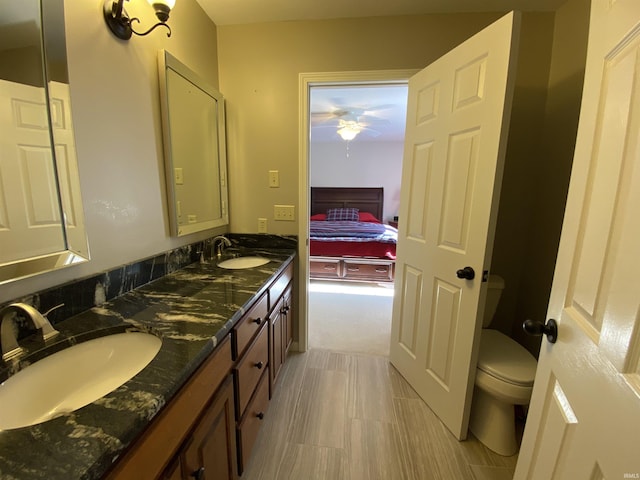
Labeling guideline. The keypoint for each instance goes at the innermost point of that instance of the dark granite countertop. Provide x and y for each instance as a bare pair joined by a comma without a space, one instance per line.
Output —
192,310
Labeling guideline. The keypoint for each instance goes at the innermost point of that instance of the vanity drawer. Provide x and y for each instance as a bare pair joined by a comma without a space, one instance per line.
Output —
249,325
325,268
249,370
279,286
250,426
371,270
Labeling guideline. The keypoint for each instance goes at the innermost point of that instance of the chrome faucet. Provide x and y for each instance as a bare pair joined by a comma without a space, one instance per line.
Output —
8,337
224,242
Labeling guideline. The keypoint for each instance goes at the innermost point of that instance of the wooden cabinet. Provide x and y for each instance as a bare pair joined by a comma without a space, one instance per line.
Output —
250,369
209,428
250,373
352,269
210,452
249,325
368,269
288,310
325,267
157,452
251,421
261,353
280,323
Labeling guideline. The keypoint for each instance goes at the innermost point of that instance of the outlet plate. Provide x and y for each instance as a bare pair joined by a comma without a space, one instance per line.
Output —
262,225
286,213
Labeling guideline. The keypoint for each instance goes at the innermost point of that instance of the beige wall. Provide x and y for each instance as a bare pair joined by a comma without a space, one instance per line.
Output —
116,113
259,68
553,165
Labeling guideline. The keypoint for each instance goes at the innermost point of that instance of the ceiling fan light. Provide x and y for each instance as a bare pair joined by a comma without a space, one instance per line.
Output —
349,130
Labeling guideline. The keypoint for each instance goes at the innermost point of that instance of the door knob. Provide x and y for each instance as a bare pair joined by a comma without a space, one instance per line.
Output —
550,329
467,273
198,474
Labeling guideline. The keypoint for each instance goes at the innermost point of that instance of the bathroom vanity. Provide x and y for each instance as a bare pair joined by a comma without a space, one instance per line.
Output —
198,406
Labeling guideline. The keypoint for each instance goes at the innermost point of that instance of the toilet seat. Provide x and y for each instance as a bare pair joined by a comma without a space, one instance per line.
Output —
505,359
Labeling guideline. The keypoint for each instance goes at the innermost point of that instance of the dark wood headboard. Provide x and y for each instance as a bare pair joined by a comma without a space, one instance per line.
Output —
363,198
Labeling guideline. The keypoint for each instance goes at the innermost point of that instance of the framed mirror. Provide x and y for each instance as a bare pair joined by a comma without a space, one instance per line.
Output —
193,124
41,216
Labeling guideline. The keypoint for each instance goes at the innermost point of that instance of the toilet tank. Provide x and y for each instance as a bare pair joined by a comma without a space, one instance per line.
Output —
495,286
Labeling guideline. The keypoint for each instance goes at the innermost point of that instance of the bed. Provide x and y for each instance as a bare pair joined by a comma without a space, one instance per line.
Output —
348,240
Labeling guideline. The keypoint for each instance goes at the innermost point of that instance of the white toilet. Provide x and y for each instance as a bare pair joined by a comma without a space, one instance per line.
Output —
504,378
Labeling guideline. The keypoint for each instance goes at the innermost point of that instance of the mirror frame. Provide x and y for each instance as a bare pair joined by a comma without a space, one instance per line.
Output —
168,63
77,245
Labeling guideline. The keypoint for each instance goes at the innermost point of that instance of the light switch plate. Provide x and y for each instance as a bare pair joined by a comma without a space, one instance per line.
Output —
274,178
179,177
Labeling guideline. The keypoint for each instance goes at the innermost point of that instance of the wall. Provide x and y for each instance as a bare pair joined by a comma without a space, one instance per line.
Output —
116,114
518,198
553,165
359,164
259,68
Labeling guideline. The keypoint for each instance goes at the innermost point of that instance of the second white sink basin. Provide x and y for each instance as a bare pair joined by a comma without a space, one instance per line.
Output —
243,262
74,377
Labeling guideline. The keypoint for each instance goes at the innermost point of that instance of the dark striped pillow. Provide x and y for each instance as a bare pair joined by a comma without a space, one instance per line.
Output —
342,215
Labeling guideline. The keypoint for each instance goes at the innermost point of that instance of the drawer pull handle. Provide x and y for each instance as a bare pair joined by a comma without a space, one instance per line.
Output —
260,415
381,270
330,267
259,365
257,320
353,269
198,474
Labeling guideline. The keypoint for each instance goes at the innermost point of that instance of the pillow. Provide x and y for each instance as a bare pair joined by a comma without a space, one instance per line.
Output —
318,217
342,215
367,217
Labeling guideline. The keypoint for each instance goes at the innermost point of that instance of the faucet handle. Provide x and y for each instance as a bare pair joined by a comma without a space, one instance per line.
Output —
52,309
38,320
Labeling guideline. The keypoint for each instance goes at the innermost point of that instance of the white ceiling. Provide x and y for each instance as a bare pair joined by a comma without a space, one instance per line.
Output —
232,12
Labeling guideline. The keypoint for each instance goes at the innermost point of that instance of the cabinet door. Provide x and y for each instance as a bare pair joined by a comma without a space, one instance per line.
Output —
276,341
210,453
288,321
173,472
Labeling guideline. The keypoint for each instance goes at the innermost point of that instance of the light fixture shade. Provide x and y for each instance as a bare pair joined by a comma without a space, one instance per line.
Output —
168,3
162,8
349,131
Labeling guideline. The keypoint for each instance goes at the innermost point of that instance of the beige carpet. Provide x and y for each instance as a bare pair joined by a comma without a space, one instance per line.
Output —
352,318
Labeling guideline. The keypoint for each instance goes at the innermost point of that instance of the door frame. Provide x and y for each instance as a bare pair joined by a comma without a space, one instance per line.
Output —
305,82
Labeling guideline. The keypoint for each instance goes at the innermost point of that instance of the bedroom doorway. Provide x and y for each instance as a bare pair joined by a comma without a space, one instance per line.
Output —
356,139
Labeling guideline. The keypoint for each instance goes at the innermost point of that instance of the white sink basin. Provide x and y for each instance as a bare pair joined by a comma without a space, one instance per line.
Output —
243,262
74,377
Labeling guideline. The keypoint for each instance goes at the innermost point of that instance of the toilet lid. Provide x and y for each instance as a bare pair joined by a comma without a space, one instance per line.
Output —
506,359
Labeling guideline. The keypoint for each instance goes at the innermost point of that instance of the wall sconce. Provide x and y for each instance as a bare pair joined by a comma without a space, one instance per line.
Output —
120,23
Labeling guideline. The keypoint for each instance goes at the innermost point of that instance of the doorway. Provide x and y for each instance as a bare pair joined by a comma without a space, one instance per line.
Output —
356,141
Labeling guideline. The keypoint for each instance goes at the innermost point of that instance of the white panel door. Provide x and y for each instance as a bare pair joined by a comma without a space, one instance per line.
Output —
29,214
585,410
67,165
457,120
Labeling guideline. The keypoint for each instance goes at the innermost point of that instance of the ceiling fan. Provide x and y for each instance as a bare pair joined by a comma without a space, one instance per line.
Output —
349,121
